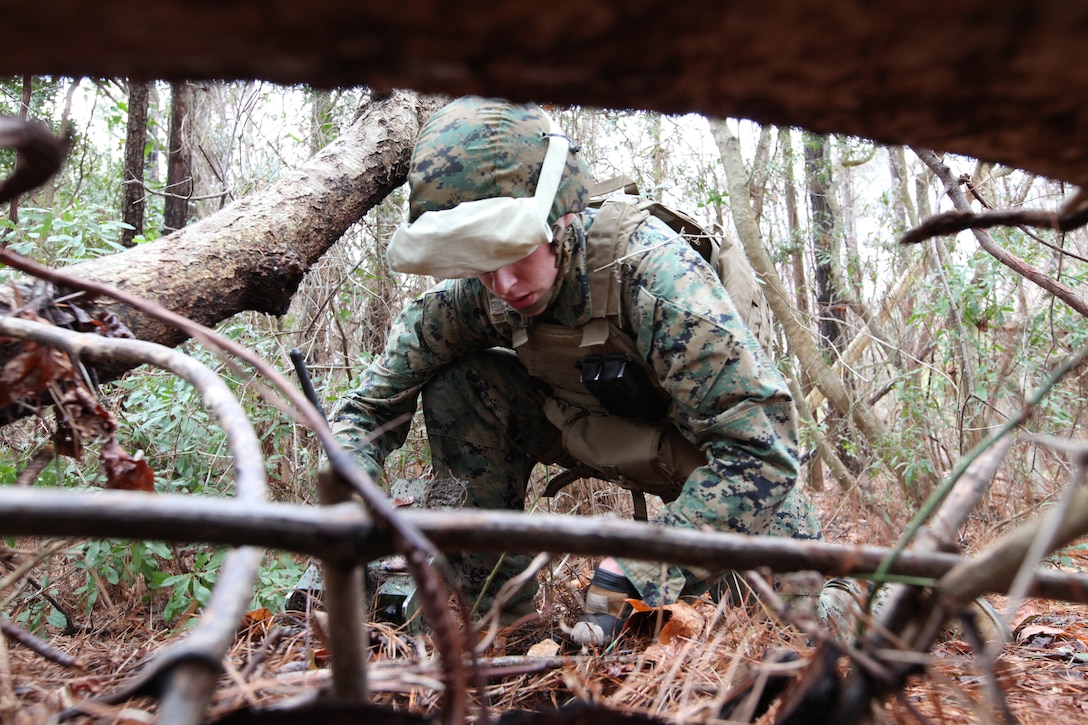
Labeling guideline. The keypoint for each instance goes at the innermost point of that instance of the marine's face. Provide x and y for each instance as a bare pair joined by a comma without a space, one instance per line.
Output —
525,284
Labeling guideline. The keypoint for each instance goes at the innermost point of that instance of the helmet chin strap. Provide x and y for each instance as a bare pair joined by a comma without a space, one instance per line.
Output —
561,238
564,236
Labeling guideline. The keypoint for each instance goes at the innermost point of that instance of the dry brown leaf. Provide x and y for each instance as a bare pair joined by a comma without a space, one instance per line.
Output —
29,373
86,415
679,620
1032,631
257,616
123,472
684,623
546,648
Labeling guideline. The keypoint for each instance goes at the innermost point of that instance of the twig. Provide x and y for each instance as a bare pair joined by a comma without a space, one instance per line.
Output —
427,566
24,567
938,495
344,593
188,667
34,467
268,645
1045,540
1072,215
7,682
987,664
906,613
813,629
69,623
347,531
17,634
1078,214
508,590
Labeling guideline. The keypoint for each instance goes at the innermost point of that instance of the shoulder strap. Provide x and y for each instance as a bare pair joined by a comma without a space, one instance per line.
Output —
680,222
724,255
606,242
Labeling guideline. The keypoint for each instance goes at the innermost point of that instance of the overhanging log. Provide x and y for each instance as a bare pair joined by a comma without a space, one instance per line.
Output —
1001,80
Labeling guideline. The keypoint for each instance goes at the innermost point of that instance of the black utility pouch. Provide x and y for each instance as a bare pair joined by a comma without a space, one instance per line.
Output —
622,387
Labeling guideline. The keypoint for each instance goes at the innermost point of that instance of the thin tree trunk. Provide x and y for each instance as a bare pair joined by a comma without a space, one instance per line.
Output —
801,291
830,303
322,131
797,258
179,167
132,189
24,108
760,171
658,156
800,341
824,248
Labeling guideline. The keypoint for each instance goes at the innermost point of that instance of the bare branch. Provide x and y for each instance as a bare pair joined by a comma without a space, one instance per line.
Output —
191,666
16,633
1078,214
346,532
1072,215
426,564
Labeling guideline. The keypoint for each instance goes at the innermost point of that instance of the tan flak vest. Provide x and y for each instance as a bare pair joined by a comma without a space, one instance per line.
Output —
644,456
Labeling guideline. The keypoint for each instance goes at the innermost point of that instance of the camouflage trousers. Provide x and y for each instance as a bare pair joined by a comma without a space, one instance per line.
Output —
486,426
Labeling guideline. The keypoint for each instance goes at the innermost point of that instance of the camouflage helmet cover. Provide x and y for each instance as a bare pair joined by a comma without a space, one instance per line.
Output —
477,148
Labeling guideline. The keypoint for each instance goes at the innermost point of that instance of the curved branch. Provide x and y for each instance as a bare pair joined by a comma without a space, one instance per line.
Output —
243,441
1072,215
1078,214
424,560
192,665
426,564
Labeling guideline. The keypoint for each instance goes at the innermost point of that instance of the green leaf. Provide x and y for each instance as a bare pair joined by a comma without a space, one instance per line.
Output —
56,619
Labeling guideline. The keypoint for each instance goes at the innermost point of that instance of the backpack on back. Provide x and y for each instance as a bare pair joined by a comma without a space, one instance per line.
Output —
724,255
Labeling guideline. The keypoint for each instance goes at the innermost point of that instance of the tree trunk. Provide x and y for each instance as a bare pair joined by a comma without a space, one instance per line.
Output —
322,131
824,248
804,385
132,190
801,343
179,167
252,254
761,171
797,255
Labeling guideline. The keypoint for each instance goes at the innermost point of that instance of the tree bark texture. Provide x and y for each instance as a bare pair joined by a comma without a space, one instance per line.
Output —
253,254
996,79
179,160
824,248
132,193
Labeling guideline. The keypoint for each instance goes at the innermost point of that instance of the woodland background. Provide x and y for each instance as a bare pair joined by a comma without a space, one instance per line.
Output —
933,345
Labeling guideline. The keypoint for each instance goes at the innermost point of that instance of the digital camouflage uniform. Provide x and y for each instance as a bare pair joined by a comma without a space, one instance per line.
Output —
484,413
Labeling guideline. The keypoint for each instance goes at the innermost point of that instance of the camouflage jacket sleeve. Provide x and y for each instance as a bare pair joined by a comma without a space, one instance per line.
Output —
444,323
728,398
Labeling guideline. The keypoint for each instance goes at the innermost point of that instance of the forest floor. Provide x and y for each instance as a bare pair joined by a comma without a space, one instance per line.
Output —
683,676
